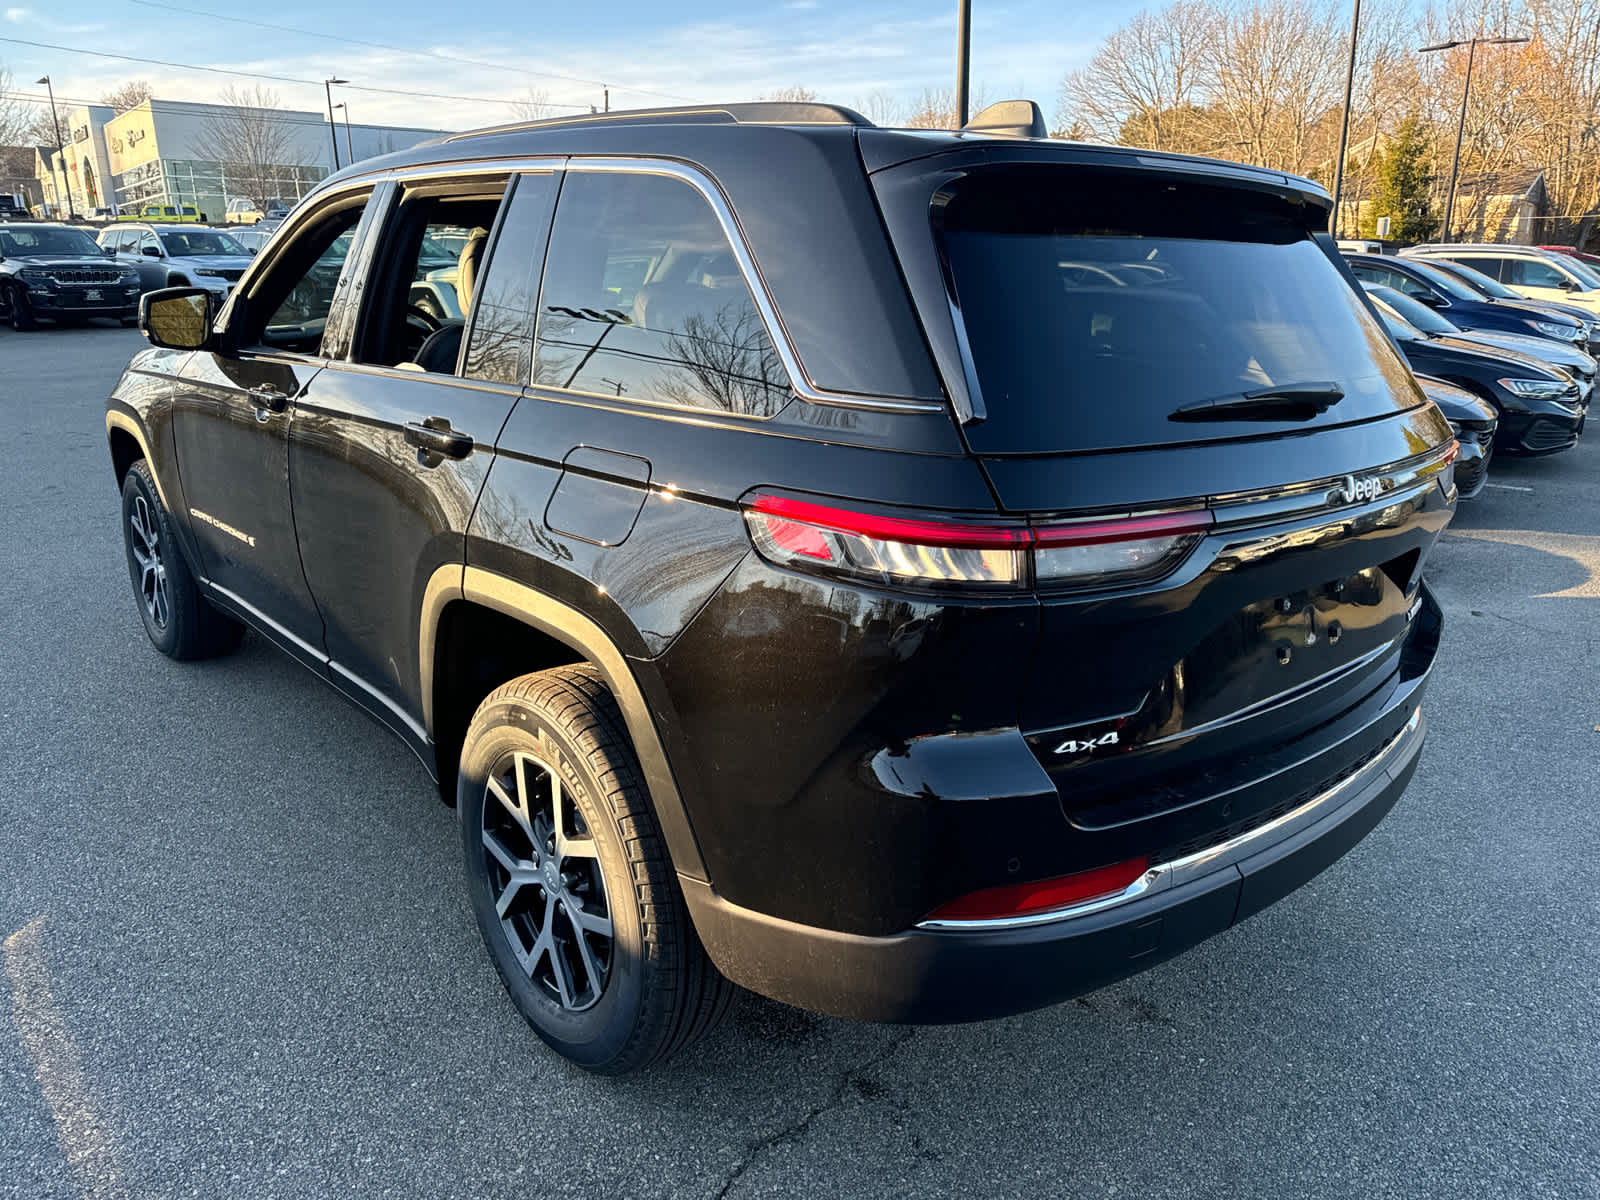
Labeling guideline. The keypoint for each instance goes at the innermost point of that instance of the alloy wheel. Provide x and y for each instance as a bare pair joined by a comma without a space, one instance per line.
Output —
146,547
544,871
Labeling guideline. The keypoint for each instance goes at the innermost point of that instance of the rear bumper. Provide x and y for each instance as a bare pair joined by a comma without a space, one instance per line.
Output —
936,974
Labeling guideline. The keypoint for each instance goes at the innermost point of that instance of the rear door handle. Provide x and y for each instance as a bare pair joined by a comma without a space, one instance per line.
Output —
434,436
270,399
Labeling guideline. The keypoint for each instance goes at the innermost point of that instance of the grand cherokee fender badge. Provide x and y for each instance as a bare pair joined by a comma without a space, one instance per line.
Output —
1084,745
249,539
1368,487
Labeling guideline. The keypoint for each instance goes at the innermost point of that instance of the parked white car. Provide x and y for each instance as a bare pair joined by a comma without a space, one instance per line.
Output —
1527,270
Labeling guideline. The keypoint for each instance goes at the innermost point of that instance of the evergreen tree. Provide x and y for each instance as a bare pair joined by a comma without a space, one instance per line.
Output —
1405,187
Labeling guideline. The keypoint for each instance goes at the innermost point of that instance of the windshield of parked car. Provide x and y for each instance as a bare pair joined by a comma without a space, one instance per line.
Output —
1098,303
1415,312
47,239
1479,282
200,241
1444,281
1399,328
1589,276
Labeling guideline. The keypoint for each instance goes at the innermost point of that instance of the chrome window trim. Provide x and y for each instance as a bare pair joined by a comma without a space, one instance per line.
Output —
799,381
1176,872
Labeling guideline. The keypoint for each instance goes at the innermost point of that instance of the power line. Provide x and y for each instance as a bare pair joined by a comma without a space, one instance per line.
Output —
313,83
451,58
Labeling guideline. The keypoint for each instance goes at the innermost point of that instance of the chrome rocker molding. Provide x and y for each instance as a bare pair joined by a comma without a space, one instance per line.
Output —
1178,871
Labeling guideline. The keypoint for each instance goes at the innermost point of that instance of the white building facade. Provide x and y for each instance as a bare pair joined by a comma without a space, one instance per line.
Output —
162,152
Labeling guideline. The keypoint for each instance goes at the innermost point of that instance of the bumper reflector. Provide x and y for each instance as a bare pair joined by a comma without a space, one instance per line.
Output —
1017,899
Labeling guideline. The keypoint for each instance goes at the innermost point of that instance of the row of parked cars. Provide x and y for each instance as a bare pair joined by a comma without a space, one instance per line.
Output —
1511,364
64,273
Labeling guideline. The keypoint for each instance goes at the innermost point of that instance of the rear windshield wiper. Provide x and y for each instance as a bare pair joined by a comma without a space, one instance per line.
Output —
1290,402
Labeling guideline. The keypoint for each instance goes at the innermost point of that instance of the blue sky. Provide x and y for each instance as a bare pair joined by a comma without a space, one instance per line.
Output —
648,52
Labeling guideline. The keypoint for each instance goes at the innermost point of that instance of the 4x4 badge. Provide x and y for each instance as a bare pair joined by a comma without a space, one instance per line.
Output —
1080,745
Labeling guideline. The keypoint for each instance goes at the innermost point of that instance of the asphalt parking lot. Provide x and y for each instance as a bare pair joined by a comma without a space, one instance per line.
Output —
239,964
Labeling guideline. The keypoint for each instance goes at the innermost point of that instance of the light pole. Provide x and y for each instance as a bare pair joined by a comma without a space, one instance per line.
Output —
333,130
349,150
963,59
61,148
1344,125
1461,124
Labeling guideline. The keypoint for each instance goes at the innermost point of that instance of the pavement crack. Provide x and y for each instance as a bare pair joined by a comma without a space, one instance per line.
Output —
796,1129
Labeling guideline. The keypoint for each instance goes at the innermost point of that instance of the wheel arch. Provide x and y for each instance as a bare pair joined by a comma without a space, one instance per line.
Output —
128,445
460,609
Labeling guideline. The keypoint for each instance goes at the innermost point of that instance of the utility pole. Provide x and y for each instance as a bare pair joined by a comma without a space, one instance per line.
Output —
608,99
963,59
1344,126
333,130
1472,45
61,147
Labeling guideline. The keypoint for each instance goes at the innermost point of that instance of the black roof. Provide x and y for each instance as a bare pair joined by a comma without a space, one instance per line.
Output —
793,177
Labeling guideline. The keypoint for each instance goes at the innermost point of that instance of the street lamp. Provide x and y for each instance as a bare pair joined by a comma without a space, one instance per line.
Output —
350,154
963,59
1344,125
1461,124
61,148
333,132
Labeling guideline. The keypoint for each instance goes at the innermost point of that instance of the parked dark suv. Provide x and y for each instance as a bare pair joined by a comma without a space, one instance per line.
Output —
57,273
917,576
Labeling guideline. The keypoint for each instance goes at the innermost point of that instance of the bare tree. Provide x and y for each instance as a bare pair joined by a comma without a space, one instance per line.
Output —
881,108
936,109
535,106
129,94
1158,63
252,140
15,115
792,95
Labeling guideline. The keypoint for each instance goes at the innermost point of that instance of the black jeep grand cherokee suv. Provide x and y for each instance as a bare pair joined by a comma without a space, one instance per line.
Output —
59,273
916,576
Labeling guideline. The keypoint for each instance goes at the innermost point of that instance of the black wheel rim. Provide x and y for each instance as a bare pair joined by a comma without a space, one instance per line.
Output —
544,875
144,543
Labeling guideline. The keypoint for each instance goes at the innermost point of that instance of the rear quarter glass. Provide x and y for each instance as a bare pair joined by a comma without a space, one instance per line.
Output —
1097,304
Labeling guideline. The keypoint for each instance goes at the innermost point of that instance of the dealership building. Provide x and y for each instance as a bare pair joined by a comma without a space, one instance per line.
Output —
157,153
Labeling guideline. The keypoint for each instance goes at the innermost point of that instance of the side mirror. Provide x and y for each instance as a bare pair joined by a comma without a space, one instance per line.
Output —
177,318
109,251
151,251
1567,285
253,250
1433,301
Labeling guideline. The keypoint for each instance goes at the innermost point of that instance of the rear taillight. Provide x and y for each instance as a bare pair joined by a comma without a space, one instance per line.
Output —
1024,899
1100,552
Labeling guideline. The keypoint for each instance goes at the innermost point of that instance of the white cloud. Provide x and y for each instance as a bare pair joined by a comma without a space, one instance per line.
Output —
17,15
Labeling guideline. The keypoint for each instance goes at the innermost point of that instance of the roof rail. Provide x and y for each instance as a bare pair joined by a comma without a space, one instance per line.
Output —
760,112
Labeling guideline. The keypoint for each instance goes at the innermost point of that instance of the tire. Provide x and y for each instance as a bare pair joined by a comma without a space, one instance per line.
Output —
21,312
611,1004
181,623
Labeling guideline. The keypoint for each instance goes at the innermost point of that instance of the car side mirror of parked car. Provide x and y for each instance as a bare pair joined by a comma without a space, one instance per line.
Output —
177,318
152,252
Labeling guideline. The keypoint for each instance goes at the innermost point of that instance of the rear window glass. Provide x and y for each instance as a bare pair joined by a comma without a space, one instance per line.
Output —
1097,305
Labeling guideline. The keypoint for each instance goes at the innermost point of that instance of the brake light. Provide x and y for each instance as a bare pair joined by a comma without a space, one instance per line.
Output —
812,536
1022,899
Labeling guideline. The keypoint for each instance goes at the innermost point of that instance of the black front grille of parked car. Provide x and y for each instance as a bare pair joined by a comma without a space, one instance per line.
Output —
85,275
